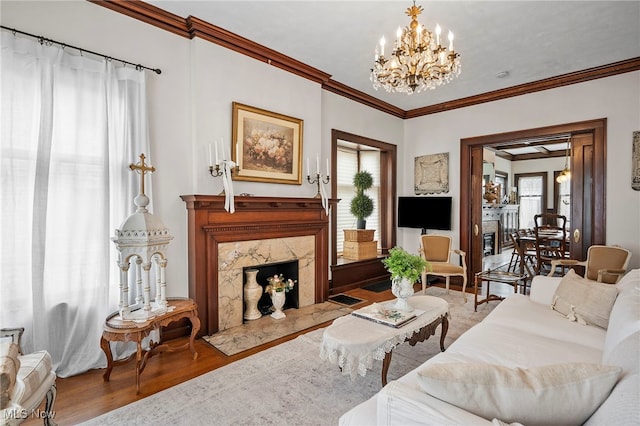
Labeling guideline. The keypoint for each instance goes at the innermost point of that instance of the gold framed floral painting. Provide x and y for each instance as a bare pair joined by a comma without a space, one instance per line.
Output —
267,146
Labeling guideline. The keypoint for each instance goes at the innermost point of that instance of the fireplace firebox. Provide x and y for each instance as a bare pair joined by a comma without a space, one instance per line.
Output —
288,270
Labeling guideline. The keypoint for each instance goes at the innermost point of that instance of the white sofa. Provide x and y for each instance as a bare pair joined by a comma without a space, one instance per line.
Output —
523,331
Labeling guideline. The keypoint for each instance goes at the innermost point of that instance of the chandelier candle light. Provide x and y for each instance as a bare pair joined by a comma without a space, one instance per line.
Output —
417,61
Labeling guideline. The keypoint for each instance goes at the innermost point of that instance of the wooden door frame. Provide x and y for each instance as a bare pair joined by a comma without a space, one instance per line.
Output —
471,212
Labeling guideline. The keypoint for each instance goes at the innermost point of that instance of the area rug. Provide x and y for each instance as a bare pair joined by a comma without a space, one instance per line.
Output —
345,299
378,287
266,329
285,385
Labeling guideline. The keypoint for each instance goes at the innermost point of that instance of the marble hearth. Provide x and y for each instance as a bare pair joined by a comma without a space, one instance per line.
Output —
234,256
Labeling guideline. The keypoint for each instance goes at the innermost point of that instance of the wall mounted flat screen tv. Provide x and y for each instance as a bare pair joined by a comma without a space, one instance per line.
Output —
424,213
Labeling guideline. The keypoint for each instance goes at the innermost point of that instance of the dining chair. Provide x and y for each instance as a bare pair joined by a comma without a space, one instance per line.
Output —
551,239
436,249
604,264
524,253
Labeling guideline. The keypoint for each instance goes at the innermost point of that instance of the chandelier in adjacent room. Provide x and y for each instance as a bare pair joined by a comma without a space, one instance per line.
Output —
417,61
565,174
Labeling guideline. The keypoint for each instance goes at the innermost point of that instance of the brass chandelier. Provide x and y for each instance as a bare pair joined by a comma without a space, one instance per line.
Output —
417,61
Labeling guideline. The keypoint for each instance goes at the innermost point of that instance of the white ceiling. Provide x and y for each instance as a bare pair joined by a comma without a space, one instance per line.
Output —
531,40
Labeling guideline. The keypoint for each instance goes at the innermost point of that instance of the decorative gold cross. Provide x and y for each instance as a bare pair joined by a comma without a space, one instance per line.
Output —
142,169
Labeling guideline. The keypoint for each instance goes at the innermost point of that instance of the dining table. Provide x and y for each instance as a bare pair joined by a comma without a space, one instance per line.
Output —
528,242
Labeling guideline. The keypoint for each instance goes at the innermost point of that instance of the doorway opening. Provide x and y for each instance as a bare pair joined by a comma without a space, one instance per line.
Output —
586,193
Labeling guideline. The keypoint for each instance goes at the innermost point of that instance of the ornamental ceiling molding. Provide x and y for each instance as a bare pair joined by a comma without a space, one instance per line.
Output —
193,27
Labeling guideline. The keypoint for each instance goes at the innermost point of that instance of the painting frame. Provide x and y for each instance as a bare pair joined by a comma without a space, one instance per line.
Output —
431,174
267,146
635,161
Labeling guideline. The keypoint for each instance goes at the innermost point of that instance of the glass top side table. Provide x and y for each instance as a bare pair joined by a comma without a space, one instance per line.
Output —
510,278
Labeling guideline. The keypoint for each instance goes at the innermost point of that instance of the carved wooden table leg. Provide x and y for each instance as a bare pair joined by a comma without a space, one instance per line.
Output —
385,366
443,334
195,327
419,336
106,348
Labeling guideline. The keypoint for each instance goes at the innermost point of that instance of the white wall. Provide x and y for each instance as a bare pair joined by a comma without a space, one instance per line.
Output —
615,98
190,105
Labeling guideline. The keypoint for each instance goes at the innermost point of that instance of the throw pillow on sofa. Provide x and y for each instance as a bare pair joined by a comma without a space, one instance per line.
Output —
547,395
584,301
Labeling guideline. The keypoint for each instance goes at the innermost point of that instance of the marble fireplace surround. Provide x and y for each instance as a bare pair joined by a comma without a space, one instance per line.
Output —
262,230
233,257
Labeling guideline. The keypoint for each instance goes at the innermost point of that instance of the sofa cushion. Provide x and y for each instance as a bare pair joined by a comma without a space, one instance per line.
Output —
622,404
584,301
9,366
625,315
552,394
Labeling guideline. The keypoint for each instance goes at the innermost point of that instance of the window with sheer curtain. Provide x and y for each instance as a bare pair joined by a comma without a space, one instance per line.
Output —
70,126
531,196
350,161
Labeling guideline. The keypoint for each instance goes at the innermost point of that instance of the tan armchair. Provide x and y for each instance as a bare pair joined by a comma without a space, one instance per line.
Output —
604,264
26,380
436,249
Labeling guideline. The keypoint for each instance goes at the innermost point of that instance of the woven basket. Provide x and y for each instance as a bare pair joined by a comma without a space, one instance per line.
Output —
358,234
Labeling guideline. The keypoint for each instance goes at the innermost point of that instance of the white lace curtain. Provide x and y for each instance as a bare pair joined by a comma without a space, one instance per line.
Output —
71,125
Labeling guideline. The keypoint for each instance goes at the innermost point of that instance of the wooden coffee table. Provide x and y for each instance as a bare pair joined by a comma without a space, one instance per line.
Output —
352,343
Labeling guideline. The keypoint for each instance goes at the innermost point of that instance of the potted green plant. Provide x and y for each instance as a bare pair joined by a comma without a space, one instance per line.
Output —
405,268
362,204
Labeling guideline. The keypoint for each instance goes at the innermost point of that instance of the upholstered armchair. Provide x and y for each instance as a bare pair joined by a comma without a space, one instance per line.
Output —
26,380
604,264
436,249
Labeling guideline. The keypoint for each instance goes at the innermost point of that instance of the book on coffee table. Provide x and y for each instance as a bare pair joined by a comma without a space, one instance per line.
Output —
386,315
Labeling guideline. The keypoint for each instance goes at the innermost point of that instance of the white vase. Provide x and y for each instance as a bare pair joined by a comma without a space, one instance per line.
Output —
402,289
252,294
278,298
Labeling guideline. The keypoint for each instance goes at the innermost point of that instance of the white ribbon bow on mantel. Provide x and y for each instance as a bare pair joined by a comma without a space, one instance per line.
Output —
323,196
227,182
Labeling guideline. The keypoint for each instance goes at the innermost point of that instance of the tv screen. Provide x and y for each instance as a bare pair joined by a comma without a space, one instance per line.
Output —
424,213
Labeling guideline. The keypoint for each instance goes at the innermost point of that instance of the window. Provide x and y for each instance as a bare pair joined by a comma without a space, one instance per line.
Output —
350,153
70,125
532,196
350,161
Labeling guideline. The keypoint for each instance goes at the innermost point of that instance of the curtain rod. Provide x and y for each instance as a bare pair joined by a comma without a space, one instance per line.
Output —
44,40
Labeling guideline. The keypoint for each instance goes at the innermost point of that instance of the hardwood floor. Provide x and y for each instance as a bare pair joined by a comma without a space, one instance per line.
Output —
86,396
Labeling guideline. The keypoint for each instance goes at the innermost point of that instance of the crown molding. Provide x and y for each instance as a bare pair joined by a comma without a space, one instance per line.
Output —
148,13
621,67
194,27
361,97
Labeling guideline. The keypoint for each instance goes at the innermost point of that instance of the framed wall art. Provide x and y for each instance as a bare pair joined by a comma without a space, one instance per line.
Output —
431,174
267,146
635,166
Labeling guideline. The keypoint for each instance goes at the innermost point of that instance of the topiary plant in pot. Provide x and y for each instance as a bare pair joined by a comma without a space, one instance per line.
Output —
362,204
405,268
